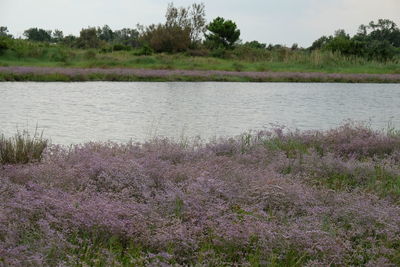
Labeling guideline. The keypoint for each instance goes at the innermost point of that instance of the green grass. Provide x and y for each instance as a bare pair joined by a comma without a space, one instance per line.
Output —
45,55
378,180
92,250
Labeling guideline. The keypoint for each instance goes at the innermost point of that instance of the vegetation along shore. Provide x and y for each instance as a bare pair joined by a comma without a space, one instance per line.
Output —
270,198
185,47
130,74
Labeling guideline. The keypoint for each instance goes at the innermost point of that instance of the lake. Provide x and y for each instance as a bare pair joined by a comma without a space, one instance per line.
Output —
118,111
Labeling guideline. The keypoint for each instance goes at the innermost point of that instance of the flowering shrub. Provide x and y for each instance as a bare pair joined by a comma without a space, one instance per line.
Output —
24,73
272,198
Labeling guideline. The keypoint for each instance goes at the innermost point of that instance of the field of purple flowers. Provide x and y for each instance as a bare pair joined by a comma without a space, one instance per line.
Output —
271,198
21,73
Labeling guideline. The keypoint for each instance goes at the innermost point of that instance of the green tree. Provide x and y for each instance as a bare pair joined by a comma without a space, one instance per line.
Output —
163,38
57,36
385,30
223,33
126,36
4,32
69,40
5,43
376,41
88,38
105,33
319,43
380,50
39,35
190,19
255,44
182,29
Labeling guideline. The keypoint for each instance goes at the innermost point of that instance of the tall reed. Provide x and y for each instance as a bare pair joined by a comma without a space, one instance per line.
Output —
22,147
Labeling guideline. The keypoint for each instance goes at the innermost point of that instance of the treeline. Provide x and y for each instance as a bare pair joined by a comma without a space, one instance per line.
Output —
186,30
377,40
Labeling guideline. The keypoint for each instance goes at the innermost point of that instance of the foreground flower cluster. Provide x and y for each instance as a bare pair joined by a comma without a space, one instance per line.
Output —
269,198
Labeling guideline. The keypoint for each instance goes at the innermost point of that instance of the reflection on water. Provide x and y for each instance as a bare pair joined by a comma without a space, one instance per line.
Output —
79,112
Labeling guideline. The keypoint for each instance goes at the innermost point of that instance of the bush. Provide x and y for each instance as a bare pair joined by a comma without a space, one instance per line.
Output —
88,39
4,44
238,66
251,53
255,44
198,52
61,55
121,47
272,198
90,54
380,50
23,48
145,50
38,35
219,53
170,39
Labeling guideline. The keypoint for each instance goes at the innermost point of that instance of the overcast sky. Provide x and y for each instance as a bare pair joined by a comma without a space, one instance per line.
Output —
269,21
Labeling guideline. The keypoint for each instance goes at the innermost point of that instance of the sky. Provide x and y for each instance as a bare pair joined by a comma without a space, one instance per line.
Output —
268,21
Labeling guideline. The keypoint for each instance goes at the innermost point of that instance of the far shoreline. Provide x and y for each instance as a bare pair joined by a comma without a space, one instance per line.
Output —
61,74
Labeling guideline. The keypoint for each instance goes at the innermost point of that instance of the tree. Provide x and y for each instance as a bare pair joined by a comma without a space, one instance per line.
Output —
162,38
69,40
376,41
341,34
223,33
255,44
321,42
105,33
382,30
380,50
198,22
126,36
88,38
5,43
182,29
191,19
39,35
4,32
57,36
385,30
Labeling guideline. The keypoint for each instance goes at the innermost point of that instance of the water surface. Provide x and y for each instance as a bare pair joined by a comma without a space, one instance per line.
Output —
117,111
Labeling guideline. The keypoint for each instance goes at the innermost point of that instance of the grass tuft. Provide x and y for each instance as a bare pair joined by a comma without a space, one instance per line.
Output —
22,148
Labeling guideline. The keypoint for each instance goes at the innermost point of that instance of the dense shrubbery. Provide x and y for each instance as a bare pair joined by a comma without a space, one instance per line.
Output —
184,30
378,41
88,38
271,198
5,43
162,38
39,35
181,31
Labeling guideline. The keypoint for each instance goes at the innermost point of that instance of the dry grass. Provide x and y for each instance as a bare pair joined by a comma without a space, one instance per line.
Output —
22,148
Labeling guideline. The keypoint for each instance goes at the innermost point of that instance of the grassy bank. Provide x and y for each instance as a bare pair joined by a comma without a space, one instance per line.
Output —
316,66
124,74
25,53
292,62
267,198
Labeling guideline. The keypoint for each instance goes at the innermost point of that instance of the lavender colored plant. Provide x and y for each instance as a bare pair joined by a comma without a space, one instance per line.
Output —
271,198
